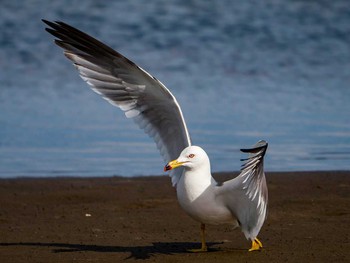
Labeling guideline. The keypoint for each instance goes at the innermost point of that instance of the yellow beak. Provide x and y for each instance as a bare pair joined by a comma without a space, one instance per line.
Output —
172,165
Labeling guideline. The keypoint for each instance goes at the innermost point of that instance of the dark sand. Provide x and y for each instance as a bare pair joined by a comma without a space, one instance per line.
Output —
46,220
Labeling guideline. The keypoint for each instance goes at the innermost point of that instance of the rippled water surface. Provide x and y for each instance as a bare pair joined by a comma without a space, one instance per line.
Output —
241,70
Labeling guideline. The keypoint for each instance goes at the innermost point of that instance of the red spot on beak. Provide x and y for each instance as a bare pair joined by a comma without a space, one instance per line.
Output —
167,167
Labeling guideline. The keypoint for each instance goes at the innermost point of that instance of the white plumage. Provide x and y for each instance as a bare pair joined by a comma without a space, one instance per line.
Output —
241,201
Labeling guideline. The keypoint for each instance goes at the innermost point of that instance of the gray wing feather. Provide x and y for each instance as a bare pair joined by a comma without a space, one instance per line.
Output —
246,195
125,85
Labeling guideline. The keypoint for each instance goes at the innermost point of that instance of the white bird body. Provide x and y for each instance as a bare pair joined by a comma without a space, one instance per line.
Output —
194,196
196,189
241,201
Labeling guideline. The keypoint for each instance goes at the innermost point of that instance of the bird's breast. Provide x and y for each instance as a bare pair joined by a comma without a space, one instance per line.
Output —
197,198
191,187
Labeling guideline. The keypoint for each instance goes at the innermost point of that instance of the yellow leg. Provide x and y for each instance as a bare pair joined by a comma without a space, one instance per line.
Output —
256,245
204,247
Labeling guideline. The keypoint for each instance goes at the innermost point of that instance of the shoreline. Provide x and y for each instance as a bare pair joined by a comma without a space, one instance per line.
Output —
109,219
228,174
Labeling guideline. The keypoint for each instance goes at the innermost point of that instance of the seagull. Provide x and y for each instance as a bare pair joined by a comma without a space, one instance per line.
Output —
239,202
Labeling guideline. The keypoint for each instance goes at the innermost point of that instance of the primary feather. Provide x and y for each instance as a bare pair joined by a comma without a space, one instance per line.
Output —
153,107
247,195
124,84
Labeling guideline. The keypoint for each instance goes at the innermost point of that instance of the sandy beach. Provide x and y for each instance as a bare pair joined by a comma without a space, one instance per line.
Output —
130,219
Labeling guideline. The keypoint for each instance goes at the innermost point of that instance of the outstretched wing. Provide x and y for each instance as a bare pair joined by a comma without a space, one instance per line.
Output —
246,195
125,85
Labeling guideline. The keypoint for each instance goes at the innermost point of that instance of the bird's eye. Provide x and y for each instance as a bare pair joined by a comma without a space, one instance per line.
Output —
191,155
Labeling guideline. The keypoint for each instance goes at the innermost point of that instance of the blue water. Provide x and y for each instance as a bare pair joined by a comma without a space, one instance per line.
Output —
241,70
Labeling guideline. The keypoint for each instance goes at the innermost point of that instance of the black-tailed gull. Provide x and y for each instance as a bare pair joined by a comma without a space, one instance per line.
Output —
241,201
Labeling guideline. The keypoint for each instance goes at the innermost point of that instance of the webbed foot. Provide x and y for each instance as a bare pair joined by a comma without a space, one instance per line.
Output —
256,245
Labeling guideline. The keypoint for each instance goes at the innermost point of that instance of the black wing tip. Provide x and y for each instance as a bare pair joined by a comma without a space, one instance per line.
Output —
52,23
260,145
52,28
49,23
256,155
73,36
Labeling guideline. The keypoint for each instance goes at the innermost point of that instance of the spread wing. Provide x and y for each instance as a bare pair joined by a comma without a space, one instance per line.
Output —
246,195
125,85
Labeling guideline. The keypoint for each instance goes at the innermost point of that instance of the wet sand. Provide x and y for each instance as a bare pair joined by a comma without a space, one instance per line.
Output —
122,219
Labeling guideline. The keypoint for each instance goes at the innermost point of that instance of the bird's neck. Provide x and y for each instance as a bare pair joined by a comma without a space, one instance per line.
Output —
197,180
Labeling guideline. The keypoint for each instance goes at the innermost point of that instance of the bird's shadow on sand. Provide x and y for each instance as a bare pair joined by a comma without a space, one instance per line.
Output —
136,252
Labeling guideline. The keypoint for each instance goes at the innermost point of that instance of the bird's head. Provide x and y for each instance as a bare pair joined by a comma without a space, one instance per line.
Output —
192,157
